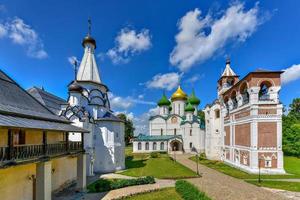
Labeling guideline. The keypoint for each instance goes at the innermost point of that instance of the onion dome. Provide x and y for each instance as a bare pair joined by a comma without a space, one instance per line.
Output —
189,108
164,101
179,95
88,39
193,99
75,87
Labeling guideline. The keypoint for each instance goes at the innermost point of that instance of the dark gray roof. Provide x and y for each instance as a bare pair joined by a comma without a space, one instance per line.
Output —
49,100
20,122
16,103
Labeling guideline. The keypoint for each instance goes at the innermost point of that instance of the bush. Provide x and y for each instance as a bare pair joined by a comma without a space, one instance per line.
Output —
189,192
154,155
103,185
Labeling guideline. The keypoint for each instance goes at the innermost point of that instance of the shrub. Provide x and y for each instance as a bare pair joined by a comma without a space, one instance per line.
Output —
154,154
188,191
103,185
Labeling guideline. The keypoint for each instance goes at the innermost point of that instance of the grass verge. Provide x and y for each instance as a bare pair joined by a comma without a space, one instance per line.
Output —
283,185
103,185
188,191
162,194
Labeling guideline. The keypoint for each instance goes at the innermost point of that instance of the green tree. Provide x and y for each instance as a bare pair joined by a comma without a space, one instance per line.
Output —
129,128
291,129
295,108
201,115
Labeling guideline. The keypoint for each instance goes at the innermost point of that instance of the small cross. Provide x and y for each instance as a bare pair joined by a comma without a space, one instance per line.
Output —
89,26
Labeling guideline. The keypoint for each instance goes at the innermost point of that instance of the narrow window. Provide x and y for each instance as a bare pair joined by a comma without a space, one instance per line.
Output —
191,132
161,131
174,131
162,146
139,146
154,145
191,145
268,162
147,146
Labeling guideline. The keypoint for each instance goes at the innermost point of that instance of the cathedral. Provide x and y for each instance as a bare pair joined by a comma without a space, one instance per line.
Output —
243,126
88,107
176,128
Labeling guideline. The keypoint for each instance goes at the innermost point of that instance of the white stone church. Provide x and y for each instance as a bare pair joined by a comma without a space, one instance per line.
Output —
88,107
176,128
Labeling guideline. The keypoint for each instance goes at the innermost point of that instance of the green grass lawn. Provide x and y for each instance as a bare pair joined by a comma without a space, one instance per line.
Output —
291,165
283,185
162,167
163,194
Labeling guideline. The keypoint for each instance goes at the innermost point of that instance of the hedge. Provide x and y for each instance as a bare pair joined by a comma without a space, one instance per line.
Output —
188,191
103,185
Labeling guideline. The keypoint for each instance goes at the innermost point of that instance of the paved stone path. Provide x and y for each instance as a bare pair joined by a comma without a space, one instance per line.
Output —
128,191
219,186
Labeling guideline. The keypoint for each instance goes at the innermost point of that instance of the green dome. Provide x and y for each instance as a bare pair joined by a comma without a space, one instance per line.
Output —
189,108
164,101
193,99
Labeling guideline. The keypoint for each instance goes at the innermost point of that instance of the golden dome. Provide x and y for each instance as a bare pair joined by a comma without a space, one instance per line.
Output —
179,95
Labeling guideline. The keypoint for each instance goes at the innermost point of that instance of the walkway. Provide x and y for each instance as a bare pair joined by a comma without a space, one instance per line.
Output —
219,186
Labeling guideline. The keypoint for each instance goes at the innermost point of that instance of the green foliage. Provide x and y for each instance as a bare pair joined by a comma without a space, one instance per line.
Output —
103,185
201,115
129,129
154,155
188,191
291,130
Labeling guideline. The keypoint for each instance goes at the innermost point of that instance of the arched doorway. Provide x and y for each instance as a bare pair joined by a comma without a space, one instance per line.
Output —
175,145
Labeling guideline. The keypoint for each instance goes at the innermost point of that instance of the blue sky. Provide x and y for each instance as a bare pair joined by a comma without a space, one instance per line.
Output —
145,47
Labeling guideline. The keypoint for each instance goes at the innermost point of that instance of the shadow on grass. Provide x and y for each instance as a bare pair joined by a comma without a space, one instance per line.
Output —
131,163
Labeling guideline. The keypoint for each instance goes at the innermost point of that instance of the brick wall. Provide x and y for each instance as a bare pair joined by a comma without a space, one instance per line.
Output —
267,134
242,135
227,137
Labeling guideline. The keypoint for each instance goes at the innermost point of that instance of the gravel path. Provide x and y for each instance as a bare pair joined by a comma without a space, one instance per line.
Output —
219,186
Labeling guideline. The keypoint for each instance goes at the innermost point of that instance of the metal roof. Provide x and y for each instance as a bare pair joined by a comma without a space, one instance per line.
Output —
142,137
19,122
49,100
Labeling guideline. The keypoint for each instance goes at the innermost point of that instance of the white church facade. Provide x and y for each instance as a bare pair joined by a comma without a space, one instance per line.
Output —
88,107
176,128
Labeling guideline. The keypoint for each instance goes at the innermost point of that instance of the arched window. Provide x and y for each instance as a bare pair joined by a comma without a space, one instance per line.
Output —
154,145
229,82
234,99
244,93
191,145
264,91
139,146
147,146
226,104
161,131
162,146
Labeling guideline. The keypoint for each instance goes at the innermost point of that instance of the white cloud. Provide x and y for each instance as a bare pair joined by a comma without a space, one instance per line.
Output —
3,31
200,38
124,103
194,78
141,123
290,74
128,43
166,81
22,34
73,59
